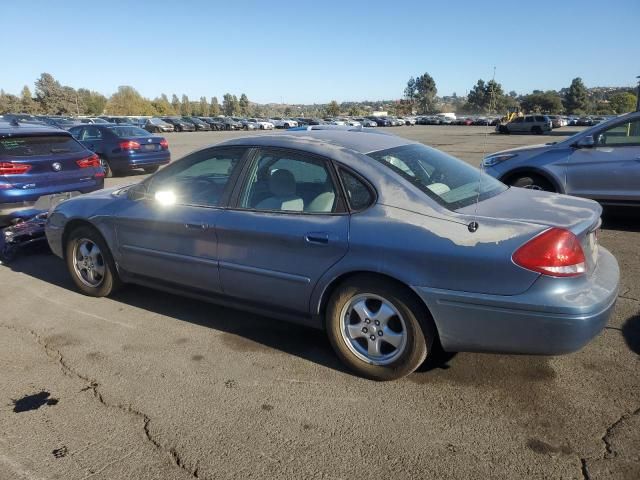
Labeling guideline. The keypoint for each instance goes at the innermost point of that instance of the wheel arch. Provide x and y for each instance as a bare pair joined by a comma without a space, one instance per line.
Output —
549,177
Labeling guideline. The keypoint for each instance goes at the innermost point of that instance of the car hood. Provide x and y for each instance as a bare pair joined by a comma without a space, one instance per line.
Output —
526,148
540,208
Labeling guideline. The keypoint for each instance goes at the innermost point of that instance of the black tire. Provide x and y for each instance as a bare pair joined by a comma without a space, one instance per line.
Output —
418,329
153,169
503,129
537,130
108,172
531,181
110,281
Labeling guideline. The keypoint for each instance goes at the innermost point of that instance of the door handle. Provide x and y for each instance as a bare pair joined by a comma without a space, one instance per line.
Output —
196,226
319,238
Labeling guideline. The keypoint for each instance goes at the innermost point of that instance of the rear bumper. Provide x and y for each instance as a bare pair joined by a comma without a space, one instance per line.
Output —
139,160
555,316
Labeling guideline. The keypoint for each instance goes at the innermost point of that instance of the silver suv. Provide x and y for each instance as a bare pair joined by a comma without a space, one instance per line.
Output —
538,124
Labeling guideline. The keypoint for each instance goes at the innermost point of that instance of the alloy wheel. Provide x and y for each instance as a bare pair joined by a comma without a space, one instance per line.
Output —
88,263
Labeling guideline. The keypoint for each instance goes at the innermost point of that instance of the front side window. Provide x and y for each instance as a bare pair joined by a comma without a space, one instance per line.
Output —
621,135
201,179
518,120
450,182
528,119
289,182
90,134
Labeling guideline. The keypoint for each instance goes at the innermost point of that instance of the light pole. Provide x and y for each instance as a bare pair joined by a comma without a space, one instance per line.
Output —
638,95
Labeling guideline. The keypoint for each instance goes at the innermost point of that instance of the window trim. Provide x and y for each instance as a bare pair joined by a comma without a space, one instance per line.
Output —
228,188
365,182
252,157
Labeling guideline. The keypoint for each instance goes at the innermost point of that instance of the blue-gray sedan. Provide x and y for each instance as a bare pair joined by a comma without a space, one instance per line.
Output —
391,246
601,163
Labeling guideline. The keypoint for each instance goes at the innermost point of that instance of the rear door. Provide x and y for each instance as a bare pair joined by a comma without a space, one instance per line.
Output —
168,234
610,171
288,227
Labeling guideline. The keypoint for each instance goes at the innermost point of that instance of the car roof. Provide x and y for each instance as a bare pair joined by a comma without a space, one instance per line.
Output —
358,140
25,128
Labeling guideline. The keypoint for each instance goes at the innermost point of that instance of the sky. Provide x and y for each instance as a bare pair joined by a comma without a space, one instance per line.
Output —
317,51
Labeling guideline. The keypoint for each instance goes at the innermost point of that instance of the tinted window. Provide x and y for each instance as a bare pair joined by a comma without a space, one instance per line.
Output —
518,120
124,132
528,119
541,119
624,134
199,180
89,133
449,181
358,195
39,145
289,182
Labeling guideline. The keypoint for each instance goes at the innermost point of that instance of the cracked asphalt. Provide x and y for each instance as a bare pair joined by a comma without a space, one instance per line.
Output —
147,385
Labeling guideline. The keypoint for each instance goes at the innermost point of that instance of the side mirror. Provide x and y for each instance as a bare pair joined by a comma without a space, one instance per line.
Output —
585,142
137,192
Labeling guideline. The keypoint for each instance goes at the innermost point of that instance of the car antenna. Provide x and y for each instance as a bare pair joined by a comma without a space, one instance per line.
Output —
473,225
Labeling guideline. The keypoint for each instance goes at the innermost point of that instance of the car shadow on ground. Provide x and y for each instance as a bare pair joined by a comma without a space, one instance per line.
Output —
631,333
621,218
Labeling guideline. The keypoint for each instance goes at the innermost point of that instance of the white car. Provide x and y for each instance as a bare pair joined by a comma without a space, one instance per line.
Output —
262,124
280,122
352,122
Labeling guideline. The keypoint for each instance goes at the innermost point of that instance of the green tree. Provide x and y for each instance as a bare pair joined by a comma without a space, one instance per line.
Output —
9,103
185,106
355,110
49,95
162,106
243,104
623,102
214,107
542,102
175,103
488,97
230,104
576,100
204,107
127,101
287,111
333,109
91,103
421,92
27,104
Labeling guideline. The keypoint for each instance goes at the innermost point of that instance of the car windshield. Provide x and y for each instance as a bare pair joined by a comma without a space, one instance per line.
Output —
38,145
450,182
124,132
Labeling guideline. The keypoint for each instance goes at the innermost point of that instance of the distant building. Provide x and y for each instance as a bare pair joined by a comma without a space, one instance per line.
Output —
379,114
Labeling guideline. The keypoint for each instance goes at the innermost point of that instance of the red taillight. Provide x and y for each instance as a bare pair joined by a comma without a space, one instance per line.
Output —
164,144
129,145
92,161
10,168
556,252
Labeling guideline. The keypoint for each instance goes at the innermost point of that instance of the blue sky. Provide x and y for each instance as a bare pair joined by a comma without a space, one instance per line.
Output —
316,51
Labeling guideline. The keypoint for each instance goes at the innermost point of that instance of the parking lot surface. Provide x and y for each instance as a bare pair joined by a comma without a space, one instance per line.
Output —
150,385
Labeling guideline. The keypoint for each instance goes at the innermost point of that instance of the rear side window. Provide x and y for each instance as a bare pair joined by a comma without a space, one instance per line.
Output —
541,119
358,194
39,145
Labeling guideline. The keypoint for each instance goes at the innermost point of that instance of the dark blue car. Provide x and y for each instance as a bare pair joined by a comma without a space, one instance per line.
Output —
122,148
40,160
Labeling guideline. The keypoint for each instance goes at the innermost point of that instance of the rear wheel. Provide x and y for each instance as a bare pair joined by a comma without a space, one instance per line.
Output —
90,263
378,329
537,130
108,172
532,182
153,169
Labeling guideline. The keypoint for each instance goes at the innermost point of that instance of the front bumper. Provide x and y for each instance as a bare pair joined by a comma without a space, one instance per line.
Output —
555,316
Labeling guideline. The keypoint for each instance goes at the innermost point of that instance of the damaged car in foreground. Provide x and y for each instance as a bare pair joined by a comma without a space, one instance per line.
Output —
391,246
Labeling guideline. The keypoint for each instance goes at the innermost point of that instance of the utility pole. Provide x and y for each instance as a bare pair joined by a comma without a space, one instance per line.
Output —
638,95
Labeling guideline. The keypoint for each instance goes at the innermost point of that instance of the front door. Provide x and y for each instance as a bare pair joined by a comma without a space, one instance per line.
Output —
610,171
289,225
169,233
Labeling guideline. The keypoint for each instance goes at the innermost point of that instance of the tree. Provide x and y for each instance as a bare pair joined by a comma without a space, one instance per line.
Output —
9,103
230,104
333,109
175,103
127,101
421,91
204,107
214,108
162,106
243,104
623,102
49,95
355,111
287,111
90,102
27,104
575,100
542,102
185,107
488,98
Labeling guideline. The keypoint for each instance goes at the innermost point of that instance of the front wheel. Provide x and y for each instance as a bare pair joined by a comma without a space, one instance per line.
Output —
90,263
378,329
532,182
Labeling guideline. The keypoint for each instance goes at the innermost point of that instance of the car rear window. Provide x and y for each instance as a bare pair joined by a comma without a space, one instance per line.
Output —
124,132
27,146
